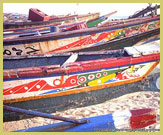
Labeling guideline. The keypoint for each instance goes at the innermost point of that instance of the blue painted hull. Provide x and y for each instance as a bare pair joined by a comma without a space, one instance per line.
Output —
96,124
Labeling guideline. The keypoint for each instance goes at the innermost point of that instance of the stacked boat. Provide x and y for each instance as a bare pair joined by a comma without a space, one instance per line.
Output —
55,64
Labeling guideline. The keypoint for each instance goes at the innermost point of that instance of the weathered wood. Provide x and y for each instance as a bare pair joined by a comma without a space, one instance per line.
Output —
60,42
69,19
75,77
47,29
144,11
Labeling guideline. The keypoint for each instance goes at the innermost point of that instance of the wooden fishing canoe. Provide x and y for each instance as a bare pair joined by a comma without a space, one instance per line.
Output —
60,42
148,10
63,20
56,87
119,121
60,58
31,31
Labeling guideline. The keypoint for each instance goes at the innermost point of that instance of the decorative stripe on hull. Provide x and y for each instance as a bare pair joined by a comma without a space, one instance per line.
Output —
22,90
74,41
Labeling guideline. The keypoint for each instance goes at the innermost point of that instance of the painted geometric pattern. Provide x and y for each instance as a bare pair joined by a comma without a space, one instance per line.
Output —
73,43
94,39
44,86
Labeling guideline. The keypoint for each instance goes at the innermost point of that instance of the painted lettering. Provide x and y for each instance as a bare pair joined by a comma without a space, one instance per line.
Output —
18,51
6,52
33,50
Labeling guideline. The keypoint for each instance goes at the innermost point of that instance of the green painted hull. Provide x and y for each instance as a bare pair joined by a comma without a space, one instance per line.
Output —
94,23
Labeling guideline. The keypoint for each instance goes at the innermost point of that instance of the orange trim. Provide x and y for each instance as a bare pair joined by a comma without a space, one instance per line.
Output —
85,89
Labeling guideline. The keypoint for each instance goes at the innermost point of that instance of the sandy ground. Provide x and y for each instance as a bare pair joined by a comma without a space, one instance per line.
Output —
130,101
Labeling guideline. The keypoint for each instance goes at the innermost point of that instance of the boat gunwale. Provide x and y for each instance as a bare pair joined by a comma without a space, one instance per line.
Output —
71,33
81,90
83,52
35,28
55,20
76,67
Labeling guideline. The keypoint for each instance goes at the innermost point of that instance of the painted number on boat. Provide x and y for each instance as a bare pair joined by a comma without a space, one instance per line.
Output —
28,50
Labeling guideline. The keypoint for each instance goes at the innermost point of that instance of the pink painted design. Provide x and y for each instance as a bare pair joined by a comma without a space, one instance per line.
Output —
142,30
33,87
73,81
57,82
41,85
5,90
105,73
91,77
98,75
21,88
82,79
84,41
109,35
121,76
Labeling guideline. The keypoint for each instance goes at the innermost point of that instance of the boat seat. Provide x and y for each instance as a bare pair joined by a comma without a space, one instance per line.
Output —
137,51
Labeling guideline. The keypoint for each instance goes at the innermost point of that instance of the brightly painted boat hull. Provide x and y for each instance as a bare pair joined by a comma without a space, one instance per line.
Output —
75,40
123,42
61,99
59,59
